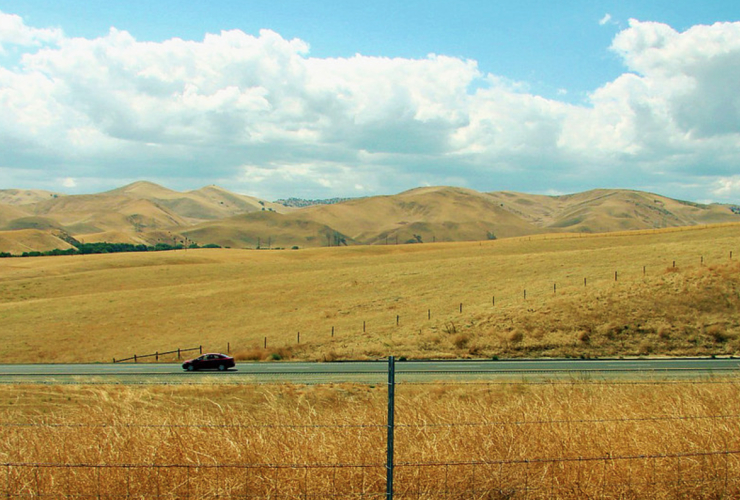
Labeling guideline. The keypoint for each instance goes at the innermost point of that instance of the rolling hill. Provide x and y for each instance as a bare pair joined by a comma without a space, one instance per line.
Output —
25,196
144,212
604,210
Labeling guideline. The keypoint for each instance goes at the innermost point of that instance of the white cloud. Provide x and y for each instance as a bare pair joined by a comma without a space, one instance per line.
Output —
727,188
13,31
605,20
69,182
88,109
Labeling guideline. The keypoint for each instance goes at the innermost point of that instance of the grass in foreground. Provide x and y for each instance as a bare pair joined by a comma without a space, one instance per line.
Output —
571,440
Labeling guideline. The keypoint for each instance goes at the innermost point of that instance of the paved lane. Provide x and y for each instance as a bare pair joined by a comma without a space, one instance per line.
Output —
372,372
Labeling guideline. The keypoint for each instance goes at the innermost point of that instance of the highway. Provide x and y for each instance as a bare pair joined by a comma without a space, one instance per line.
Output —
372,371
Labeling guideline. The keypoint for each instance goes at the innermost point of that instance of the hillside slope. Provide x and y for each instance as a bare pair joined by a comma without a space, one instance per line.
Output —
267,230
25,196
30,240
422,215
144,212
207,203
605,210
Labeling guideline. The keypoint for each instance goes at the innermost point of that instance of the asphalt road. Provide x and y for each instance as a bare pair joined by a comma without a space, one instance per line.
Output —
373,371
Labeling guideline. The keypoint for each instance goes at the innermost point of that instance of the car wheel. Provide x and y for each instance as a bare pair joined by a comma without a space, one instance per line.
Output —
191,368
221,368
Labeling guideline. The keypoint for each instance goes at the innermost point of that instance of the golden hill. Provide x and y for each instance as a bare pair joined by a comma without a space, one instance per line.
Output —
604,210
266,230
88,214
145,212
208,203
30,240
9,213
25,196
422,215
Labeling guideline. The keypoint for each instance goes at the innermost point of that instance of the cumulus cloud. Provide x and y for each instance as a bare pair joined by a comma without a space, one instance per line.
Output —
258,114
605,20
728,187
13,31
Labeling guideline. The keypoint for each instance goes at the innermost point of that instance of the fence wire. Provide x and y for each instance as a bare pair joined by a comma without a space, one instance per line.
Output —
492,423
669,475
706,469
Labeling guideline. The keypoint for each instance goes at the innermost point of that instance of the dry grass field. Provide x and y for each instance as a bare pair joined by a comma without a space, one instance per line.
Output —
449,300
565,439
560,440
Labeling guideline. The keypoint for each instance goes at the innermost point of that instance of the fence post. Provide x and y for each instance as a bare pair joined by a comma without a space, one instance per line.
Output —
201,349
332,331
135,361
398,319
298,338
391,427
178,354
460,306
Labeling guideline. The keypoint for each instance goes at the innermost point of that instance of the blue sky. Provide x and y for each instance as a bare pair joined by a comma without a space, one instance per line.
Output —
547,97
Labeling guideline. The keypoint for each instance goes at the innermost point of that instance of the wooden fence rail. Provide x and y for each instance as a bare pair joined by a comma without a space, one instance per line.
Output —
135,358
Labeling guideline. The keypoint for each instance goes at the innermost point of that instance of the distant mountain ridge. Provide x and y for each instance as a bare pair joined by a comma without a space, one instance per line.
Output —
146,213
302,203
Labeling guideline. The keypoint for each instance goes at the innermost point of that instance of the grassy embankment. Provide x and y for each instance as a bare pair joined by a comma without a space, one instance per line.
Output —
560,441
94,308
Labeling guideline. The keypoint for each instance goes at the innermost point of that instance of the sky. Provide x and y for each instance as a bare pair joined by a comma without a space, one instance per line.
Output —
342,99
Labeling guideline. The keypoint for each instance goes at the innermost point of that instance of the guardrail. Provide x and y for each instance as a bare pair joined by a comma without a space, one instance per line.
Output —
135,358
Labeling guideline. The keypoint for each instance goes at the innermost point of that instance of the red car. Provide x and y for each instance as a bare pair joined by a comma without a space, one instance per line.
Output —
210,361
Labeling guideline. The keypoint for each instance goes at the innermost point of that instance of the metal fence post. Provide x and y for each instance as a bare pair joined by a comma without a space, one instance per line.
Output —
391,426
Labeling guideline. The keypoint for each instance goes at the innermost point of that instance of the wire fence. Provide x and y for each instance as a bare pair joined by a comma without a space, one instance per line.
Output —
707,474
512,458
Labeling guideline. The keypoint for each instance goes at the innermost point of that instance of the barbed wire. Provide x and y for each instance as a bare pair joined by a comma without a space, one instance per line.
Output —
601,382
190,426
575,421
520,461
81,465
271,496
379,465
660,418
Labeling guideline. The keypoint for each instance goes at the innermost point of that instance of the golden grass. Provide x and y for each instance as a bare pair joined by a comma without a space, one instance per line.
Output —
95,308
511,440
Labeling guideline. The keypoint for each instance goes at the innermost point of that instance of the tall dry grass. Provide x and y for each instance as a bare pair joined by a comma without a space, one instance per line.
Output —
562,440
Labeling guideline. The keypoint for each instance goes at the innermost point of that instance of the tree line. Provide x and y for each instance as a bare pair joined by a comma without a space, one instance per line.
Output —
96,248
